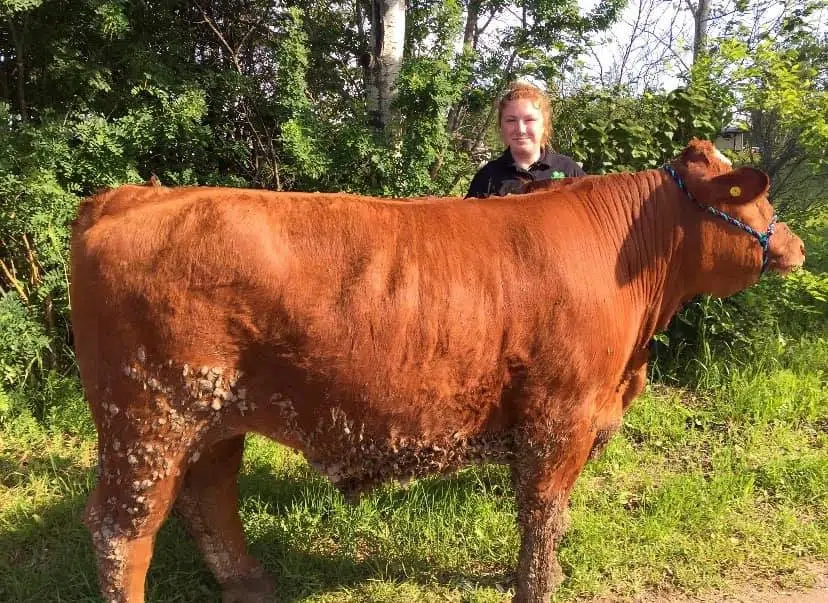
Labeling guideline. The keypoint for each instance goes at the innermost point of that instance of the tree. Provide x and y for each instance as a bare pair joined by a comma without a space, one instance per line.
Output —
640,52
777,66
701,16
385,59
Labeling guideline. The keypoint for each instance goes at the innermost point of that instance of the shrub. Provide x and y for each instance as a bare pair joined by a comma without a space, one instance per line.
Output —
23,343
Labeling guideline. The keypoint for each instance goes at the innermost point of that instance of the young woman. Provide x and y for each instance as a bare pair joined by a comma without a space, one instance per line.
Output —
524,120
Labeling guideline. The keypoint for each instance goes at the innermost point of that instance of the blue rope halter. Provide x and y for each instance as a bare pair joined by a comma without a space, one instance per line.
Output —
764,239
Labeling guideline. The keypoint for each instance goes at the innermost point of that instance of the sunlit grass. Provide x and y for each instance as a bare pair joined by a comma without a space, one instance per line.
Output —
699,491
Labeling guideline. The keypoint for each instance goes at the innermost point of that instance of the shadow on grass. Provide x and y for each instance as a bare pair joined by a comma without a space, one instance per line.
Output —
301,574
46,554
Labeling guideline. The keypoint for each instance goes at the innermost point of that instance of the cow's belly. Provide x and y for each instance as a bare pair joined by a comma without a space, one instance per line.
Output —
357,445
362,466
359,455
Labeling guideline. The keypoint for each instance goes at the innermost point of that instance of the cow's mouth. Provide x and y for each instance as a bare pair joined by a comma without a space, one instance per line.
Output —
784,268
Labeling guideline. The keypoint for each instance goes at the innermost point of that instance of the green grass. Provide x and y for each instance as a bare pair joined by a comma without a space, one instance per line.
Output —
700,490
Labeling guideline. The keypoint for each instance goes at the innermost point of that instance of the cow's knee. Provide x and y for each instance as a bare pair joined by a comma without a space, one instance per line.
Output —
122,540
130,502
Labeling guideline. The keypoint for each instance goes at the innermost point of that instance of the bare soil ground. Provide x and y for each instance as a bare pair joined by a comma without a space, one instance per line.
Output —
745,593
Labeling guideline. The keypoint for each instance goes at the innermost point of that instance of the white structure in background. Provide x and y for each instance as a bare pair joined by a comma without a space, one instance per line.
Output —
732,138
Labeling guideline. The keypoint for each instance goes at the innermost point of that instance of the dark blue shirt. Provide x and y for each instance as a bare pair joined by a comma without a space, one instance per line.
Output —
501,176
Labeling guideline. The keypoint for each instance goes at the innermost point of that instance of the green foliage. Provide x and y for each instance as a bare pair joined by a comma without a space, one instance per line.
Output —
778,84
10,7
779,80
60,404
712,337
23,343
610,130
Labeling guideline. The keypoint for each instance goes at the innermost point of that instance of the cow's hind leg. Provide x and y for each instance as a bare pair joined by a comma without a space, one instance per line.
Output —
543,478
123,515
208,507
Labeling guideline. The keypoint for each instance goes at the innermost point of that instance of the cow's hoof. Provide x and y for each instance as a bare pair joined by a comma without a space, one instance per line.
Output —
256,588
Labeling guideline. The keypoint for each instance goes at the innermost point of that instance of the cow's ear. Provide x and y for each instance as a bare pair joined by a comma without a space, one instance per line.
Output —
740,186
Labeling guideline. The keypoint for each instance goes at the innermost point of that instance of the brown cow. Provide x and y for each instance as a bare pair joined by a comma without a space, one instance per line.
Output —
382,339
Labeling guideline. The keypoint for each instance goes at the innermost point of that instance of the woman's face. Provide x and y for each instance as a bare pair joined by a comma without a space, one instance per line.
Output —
521,126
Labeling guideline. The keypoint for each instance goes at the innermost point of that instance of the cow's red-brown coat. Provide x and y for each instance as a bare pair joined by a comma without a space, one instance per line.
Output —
383,339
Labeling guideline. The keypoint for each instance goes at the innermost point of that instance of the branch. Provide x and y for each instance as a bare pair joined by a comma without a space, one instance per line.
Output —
509,10
15,283
600,65
35,271
210,23
669,47
253,27
487,122
471,31
268,151
784,156
625,54
781,180
488,22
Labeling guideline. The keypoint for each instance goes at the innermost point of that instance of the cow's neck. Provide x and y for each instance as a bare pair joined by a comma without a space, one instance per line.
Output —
644,218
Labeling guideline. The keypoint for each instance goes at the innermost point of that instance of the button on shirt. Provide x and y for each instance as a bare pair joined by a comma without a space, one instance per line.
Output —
502,177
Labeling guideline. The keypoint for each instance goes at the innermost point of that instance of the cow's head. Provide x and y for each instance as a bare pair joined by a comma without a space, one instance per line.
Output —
732,256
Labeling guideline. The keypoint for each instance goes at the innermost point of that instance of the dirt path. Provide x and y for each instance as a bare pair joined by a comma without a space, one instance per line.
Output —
817,593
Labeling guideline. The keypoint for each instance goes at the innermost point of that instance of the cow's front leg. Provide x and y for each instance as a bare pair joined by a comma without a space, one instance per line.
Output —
543,475
208,505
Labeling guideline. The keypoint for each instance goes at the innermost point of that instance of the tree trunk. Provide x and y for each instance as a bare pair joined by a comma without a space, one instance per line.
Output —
701,15
17,38
470,34
387,40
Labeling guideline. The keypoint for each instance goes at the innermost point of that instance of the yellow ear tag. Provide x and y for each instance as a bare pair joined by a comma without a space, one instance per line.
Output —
735,191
